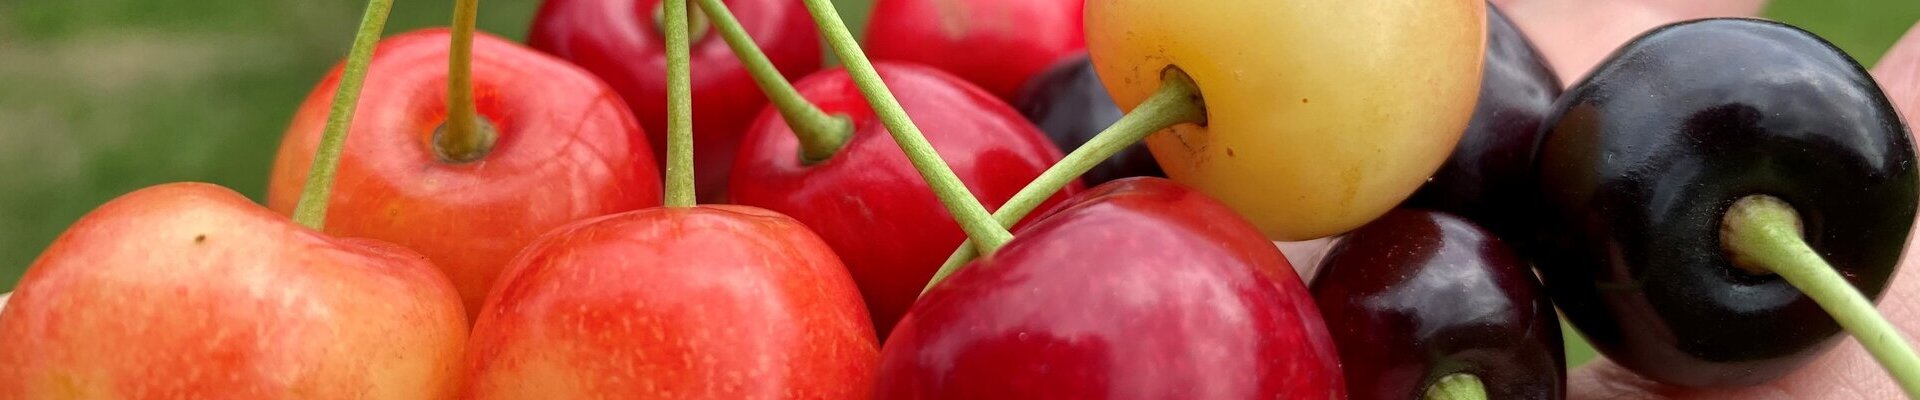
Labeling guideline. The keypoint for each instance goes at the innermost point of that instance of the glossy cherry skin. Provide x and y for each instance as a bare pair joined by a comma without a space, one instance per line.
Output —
1315,124
720,302
619,41
192,291
1489,176
867,201
1418,295
567,150
996,44
1642,159
1068,102
1136,289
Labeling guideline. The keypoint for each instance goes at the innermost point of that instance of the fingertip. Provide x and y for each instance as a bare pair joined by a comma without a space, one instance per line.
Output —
1899,73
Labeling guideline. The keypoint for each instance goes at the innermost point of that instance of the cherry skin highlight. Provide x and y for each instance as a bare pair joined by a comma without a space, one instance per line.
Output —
724,302
1642,160
1489,178
620,41
190,290
867,201
568,149
1314,127
1418,295
1139,288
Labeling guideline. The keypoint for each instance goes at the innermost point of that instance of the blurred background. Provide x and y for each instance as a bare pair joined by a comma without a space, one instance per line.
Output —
102,97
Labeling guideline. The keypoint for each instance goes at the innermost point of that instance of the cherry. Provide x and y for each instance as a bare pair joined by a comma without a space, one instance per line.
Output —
621,41
1325,168
566,150
189,290
867,200
1489,177
1642,168
1312,127
997,44
682,301
1139,288
701,302
1416,297
1068,102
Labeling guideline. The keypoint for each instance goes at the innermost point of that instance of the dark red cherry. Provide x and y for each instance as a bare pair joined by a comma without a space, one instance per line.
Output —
621,41
867,200
1139,288
1417,295
1642,159
1490,173
1072,106
996,44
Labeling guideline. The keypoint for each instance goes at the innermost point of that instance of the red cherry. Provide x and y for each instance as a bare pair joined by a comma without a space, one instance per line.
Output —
620,41
567,150
867,201
1139,288
190,290
996,44
725,302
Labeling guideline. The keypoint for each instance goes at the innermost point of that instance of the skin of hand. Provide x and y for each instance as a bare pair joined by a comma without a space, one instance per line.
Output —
1574,35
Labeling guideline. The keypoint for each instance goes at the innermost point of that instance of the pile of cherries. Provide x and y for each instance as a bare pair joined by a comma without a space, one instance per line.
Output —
965,211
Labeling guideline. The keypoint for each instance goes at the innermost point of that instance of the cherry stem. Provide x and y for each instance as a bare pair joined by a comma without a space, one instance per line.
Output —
972,216
465,136
1177,101
821,135
1763,233
1457,387
679,107
697,25
312,209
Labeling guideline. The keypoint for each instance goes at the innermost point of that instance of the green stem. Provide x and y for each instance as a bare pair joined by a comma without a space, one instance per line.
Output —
821,135
953,194
312,209
697,25
1457,387
1177,101
679,107
1763,234
466,136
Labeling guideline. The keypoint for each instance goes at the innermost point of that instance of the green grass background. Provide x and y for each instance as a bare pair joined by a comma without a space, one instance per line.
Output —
101,97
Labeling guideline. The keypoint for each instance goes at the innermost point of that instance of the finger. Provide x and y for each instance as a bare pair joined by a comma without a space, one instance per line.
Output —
1846,372
1305,256
1574,35
1899,74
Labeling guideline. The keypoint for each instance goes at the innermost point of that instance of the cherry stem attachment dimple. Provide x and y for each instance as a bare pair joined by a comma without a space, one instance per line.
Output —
679,107
1177,101
1457,387
312,209
953,194
821,135
1763,234
465,136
